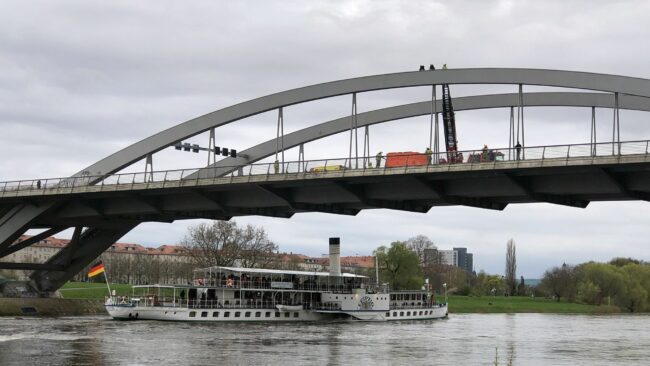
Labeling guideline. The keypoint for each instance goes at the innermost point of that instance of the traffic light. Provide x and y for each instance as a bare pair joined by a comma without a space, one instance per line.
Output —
224,151
178,146
195,148
186,147
233,153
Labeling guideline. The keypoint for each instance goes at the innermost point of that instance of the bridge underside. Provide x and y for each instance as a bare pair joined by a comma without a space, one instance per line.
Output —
111,214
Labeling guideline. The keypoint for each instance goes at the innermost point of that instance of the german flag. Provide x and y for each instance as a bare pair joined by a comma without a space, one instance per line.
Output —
96,269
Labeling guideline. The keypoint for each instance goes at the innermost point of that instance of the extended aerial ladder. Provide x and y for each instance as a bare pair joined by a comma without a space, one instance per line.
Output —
451,141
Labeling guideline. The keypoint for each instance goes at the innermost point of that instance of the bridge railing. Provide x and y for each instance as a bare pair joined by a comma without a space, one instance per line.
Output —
480,156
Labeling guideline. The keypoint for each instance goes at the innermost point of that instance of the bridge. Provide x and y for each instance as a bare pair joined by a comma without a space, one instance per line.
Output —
102,203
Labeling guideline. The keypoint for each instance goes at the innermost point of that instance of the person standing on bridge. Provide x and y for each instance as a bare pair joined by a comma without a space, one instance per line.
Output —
518,148
428,153
276,166
379,157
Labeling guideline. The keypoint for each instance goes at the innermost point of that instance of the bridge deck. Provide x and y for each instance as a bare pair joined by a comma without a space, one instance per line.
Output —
434,169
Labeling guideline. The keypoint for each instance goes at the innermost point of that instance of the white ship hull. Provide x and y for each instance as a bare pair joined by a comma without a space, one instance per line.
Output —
126,312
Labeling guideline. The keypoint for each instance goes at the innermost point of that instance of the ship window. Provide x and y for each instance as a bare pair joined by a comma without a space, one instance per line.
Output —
286,315
401,313
408,313
226,314
295,314
394,313
237,314
268,314
277,314
388,314
215,314
248,314
420,313
192,314
258,314
392,296
204,314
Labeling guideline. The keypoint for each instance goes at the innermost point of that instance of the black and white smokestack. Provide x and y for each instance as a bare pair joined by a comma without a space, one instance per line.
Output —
335,257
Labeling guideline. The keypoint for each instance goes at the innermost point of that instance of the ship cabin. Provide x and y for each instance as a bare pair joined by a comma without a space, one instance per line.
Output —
236,287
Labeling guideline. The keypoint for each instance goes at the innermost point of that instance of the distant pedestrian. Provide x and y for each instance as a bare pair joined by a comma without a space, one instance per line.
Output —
276,166
429,153
38,184
378,158
518,148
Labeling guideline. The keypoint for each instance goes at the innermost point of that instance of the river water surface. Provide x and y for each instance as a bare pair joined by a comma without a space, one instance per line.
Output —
472,339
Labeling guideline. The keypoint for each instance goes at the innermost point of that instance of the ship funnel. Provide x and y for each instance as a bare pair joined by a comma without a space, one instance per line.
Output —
335,257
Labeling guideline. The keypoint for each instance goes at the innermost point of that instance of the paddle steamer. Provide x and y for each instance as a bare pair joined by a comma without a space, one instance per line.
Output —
254,294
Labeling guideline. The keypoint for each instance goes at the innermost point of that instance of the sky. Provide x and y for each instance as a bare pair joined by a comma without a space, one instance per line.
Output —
80,80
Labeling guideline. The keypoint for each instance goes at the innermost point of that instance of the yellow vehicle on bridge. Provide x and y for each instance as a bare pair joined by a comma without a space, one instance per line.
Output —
327,168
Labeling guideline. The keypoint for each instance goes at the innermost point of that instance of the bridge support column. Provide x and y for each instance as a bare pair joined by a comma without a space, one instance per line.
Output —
279,138
84,248
616,129
593,131
353,133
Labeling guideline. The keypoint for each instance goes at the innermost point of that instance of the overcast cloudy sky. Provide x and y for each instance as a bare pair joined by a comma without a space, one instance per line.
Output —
82,79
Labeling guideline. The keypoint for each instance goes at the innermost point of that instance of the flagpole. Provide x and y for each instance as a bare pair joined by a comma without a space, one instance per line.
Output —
107,285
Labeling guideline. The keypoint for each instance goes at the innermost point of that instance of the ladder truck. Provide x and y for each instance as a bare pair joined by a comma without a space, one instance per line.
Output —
449,122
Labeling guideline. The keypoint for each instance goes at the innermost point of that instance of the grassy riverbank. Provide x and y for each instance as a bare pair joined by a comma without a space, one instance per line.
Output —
457,304
87,290
520,304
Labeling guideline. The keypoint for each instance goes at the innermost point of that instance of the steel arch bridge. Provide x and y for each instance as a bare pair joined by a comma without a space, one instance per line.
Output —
619,175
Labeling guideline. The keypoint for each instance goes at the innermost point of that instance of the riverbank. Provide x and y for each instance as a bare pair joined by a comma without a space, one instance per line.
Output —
522,304
82,298
50,307
457,304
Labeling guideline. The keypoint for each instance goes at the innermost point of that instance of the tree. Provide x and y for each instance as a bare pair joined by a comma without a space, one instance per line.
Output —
399,266
605,277
419,245
636,297
560,282
222,243
511,267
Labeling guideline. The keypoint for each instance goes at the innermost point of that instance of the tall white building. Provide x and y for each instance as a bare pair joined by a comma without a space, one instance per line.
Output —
448,257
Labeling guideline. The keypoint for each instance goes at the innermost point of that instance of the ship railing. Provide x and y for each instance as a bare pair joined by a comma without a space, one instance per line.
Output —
237,304
332,306
254,285
417,305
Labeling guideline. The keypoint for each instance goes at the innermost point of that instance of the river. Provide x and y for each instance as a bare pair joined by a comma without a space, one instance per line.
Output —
467,339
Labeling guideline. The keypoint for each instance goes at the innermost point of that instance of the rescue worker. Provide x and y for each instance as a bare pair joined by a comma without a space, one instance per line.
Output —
429,153
379,157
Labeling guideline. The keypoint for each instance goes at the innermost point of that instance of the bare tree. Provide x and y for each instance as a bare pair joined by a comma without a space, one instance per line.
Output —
256,250
511,267
212,244
222,243
419,245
